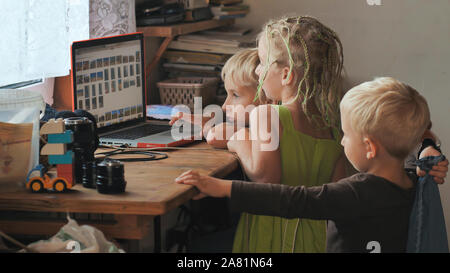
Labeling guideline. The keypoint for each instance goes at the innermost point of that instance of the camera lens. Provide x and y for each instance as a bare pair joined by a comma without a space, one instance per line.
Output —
110,177
83,145
89,176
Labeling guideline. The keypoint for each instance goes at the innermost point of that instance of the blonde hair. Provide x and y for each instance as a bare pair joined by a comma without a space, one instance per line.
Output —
240,68
392,112
315,56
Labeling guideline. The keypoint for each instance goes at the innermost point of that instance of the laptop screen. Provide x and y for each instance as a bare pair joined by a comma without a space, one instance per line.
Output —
108,79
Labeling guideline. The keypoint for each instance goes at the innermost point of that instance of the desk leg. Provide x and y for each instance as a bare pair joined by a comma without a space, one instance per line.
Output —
157,230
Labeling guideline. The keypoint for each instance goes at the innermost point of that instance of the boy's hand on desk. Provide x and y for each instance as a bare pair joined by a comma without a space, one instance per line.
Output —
439,171
208,185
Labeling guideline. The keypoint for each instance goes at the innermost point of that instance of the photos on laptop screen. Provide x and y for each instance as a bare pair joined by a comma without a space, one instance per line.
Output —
109,81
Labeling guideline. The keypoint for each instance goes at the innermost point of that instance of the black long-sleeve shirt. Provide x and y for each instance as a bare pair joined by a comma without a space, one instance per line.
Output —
361,209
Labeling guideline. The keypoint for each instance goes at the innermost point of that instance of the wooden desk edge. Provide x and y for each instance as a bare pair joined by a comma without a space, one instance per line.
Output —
111,206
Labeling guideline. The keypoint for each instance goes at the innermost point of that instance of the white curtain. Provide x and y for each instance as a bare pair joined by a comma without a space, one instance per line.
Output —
35,37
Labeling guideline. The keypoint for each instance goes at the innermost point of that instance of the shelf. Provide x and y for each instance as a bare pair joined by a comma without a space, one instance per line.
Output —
183,28
169,32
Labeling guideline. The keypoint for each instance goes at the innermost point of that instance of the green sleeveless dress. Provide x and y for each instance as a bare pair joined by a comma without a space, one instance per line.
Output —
305,161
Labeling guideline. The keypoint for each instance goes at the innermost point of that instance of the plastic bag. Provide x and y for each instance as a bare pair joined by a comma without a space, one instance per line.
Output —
73,238
19,148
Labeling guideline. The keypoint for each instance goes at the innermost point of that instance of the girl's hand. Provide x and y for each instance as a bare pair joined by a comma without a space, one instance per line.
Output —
208,185
439,171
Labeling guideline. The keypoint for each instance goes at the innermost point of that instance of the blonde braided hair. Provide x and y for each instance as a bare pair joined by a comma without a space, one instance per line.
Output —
314,53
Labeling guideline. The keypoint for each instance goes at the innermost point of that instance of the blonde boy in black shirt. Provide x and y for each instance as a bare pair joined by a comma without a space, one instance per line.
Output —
382,121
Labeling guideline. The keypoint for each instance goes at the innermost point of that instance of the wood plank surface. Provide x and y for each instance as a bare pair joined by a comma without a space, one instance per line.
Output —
150,190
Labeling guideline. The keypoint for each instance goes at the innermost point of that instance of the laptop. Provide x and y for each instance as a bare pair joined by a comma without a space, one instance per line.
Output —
108,80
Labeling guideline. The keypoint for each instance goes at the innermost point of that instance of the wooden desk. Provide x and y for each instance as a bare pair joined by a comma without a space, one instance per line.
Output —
150,192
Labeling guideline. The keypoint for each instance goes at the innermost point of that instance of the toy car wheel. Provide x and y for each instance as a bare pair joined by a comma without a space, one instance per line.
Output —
36,186
59,186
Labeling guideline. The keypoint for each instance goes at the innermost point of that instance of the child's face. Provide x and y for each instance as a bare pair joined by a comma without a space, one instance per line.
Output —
272,80
354,146
238,98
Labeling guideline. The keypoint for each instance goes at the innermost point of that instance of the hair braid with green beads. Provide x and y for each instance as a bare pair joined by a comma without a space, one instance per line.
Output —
314,52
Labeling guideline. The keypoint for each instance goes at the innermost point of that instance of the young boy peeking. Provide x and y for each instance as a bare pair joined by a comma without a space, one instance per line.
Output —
382,121
241,83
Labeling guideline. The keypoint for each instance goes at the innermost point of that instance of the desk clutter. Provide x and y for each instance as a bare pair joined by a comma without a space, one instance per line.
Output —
201,55
70,145
156,13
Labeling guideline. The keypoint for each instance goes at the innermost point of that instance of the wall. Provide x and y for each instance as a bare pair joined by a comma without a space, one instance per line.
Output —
406,39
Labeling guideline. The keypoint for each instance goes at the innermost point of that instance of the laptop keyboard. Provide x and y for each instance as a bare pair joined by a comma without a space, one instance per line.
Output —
138,132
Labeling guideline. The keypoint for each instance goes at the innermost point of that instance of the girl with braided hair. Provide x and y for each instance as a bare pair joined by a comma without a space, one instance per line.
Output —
301,61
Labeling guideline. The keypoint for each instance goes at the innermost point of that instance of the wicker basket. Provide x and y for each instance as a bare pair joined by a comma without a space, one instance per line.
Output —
182,90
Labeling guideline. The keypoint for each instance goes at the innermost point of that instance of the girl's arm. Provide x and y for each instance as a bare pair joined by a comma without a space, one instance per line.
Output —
258,149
